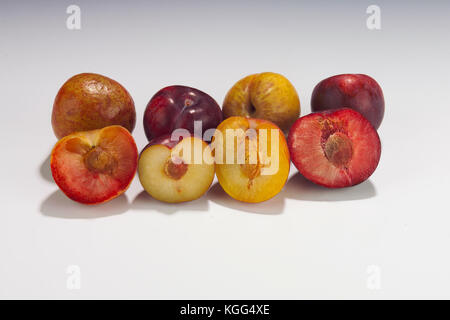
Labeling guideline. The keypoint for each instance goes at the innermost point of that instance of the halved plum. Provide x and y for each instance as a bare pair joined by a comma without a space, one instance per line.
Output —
95,166
176,170
334,149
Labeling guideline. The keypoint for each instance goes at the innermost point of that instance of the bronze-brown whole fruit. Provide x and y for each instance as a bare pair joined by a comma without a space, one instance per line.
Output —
90,101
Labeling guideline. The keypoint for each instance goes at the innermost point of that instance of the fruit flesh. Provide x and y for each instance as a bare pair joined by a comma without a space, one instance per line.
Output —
334,149
90,101
176,107
170,175
246,181
95,166
266,95
355,91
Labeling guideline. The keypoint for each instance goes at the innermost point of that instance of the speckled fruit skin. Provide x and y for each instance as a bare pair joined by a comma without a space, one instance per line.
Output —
89,101
355,91
176,107
266,95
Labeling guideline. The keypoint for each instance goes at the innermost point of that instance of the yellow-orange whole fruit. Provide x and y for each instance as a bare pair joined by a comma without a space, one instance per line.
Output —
269,96
89,101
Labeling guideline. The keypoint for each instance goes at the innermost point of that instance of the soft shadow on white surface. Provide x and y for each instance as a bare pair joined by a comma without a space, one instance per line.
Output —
271,206
57,205
45,170
299,188
145,202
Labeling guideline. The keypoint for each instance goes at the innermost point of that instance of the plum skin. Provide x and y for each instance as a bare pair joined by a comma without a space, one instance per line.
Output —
178,106
355,91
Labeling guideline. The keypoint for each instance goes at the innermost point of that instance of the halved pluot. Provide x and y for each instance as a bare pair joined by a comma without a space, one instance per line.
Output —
176,171
253,165
95,166
334,149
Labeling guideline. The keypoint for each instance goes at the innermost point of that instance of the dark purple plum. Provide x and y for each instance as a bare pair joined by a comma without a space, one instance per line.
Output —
177,107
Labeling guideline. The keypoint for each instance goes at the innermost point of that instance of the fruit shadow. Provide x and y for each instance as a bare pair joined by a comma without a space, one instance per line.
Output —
45,170
57,205
145,202
299,188
270,207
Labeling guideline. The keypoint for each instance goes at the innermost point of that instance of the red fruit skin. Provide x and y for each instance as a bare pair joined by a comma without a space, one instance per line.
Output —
356,91
178,107
164,140
364,138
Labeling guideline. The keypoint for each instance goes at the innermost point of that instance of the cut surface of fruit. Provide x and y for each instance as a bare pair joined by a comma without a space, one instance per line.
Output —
95,166
176,173
334,149
252,164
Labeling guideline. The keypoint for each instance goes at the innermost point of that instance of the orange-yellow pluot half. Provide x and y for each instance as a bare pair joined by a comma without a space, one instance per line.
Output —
262,171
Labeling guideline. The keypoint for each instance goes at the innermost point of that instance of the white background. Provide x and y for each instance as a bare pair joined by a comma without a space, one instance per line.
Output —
308,242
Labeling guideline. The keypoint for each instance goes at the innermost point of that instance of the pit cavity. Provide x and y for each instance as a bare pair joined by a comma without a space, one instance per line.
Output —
249,169
175,170
338,149
99,160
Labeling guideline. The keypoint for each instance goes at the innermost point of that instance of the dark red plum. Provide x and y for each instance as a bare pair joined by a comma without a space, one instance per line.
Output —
178,107
355,91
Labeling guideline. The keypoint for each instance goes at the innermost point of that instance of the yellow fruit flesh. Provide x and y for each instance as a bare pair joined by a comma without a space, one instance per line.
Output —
173,182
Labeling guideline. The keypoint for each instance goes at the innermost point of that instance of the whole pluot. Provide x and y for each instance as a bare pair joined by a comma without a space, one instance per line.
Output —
89,101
